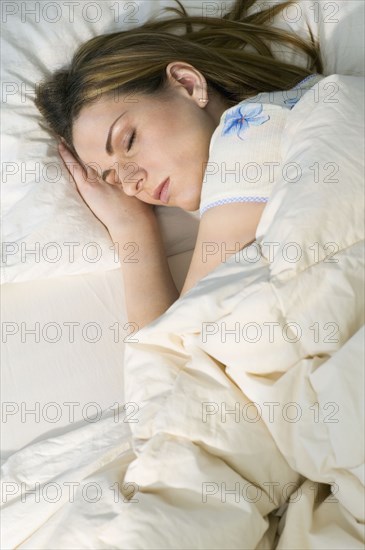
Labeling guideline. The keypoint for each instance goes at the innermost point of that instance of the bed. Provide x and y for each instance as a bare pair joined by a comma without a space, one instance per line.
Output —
234,420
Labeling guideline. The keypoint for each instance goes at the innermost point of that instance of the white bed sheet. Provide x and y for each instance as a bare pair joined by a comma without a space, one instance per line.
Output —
74,354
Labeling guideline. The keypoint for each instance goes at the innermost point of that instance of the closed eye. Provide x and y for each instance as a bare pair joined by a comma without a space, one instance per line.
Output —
131,141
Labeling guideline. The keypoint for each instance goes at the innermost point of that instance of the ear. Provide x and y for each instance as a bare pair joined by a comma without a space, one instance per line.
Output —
184,75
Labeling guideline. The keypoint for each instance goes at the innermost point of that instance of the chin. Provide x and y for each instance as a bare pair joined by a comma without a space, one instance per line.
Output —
191,205
191,209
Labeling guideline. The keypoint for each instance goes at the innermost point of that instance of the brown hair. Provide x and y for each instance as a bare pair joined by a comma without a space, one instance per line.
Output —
134,61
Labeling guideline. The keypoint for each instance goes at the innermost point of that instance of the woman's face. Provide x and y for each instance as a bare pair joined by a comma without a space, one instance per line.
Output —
151,140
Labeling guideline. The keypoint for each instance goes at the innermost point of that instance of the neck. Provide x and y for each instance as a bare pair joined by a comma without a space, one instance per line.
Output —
216,106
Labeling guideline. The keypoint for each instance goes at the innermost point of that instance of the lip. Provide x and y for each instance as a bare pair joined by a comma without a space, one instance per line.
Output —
162,190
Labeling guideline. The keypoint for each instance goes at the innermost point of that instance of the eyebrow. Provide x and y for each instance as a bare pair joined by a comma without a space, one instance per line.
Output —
108,147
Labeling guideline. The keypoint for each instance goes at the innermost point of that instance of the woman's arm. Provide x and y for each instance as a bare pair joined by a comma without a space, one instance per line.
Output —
148,284
223,231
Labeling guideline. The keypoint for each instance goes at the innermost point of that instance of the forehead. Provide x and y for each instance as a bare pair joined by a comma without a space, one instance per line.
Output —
90,129
101,113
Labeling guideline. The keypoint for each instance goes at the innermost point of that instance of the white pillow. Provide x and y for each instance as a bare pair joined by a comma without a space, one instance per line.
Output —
48,231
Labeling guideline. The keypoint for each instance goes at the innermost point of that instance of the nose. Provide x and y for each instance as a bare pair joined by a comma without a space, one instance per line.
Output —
132,188
133,182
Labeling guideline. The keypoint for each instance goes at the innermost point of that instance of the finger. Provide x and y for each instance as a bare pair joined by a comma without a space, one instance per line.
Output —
67,156
93,175
83,175
65,151
78,172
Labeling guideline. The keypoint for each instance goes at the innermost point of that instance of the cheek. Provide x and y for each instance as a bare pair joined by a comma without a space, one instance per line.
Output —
179,146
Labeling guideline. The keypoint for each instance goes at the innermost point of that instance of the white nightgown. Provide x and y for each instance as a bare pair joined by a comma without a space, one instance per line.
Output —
245,147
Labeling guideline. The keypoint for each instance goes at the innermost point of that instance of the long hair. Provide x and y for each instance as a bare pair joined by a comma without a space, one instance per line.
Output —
134,61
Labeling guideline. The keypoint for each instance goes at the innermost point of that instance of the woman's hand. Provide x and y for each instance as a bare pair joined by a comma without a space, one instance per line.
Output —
110,204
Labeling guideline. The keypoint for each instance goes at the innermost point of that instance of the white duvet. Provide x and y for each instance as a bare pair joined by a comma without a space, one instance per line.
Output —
245,399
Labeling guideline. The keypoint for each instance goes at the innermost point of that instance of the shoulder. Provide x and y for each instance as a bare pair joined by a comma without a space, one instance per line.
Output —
242,147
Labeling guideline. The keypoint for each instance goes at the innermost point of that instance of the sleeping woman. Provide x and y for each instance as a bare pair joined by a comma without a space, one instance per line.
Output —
192,119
